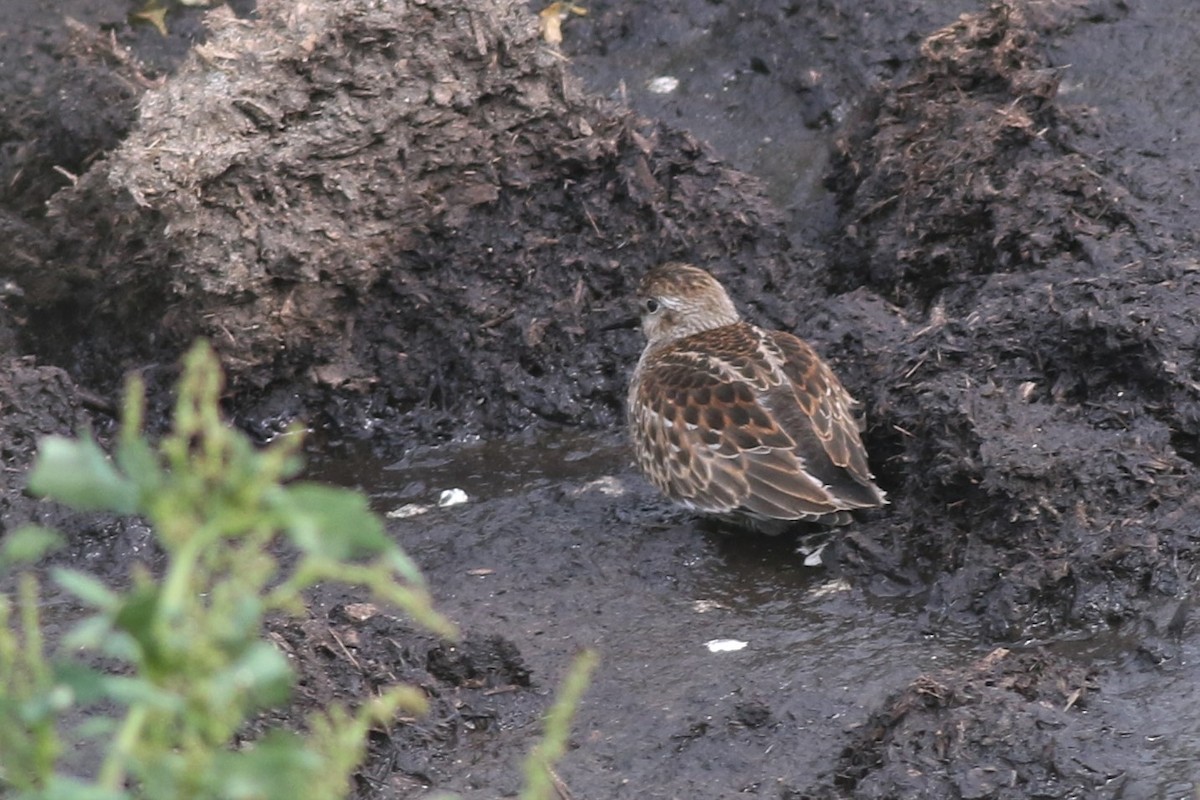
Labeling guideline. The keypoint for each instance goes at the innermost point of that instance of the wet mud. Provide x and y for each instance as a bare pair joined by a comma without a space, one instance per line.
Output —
413,225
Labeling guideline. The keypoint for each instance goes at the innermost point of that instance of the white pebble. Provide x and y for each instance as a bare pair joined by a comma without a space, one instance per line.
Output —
452,497
407,510
663,84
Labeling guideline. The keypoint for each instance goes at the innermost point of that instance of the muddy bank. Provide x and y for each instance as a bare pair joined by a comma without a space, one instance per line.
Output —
1037,388
407,218
1004,727
766,84
835,692
412,224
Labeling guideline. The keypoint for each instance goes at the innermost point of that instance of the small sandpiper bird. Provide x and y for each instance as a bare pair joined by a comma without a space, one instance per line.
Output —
738,422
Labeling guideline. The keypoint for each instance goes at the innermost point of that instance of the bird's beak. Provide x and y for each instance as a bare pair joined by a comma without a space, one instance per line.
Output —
631,321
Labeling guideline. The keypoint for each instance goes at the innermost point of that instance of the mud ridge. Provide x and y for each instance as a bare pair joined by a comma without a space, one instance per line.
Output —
1033,420
410,218
1007,727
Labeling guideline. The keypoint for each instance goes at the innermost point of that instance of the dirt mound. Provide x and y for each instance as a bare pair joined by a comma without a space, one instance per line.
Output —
36,401
57,120
1036,408
1006,727
405,214
971,166
346,651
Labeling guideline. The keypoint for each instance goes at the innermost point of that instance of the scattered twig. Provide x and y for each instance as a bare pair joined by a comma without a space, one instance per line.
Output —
346,652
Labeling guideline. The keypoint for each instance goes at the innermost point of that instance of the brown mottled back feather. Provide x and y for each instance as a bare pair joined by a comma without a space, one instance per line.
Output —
737,419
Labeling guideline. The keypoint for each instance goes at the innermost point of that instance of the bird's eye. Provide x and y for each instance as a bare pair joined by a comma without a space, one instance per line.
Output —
651,305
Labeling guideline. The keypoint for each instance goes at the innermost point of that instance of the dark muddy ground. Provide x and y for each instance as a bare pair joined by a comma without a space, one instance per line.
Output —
408,225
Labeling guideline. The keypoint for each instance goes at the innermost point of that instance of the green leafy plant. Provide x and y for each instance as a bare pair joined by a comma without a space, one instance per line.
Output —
194,667
540,778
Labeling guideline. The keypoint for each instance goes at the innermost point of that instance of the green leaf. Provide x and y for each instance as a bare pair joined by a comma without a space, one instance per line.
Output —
88,686
187,638
97,633
134,691
85,683
26,545
240,624
262,673
45,705
77,472
137,459
96,728
404,566
155,14
136,617
332,522
89,634
279,767
88,588
540,762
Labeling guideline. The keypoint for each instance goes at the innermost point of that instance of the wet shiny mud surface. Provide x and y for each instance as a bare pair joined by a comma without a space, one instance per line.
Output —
561,545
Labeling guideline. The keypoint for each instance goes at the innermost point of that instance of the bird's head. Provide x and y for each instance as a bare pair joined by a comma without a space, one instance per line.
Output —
677,300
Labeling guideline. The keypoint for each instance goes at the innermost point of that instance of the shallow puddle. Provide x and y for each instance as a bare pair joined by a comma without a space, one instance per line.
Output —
726,665
561,546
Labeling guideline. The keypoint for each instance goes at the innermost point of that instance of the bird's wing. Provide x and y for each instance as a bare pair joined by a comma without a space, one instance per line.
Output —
705,437
812,401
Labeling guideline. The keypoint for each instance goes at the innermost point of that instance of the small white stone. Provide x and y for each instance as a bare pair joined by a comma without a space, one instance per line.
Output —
704,606
725,645
608,486
830,588
451,497
663,84
408,510
812,556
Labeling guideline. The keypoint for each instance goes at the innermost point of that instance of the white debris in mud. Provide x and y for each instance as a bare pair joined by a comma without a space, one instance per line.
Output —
704,606
360,612
812,556
408,510
609,486
832,587
452,497
663,84
725,645
449,497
